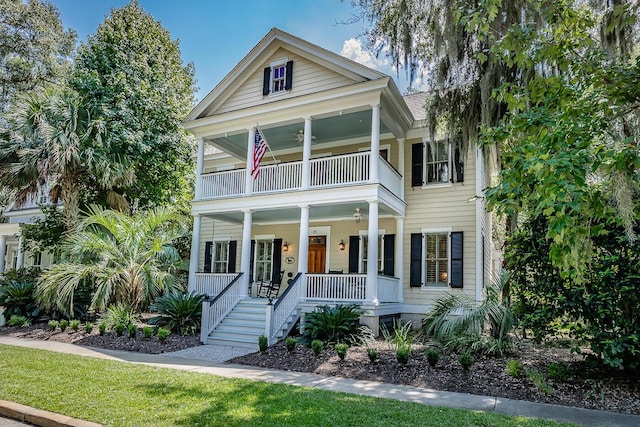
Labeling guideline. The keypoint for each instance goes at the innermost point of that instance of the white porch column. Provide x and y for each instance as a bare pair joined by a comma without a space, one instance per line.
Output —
401,165
248,187
245,257
372,254
374,159
20,260
199,168
3,252
194,255
303,242
399,260
306,154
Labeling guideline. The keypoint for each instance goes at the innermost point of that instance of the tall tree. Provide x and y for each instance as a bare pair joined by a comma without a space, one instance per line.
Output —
133,69
35,47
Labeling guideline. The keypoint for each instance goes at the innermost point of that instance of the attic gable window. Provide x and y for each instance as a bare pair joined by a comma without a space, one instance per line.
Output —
278,77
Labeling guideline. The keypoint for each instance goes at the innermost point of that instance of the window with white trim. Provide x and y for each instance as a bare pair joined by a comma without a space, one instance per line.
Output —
278,77
437,162
437,259
220,256
263,260
364,252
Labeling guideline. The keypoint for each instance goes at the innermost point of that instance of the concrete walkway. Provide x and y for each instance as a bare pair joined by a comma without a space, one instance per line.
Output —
585,417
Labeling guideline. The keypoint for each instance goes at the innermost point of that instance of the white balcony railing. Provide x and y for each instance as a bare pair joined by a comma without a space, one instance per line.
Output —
388,288
211,284
342,170
336,287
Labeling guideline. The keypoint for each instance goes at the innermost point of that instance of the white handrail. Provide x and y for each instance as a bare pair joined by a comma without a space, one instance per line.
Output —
215,311
285,305
343,169
222,184
388,289
278,177
390,178
211,284
336,287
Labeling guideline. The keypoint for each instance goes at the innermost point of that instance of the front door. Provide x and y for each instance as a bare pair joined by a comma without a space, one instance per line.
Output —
317,254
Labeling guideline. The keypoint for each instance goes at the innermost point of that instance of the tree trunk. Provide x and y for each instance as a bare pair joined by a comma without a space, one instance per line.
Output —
71,200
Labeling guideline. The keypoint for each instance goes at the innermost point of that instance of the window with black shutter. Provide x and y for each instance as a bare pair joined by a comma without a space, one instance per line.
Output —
417,162
208,256
354,249
415,267
389,255
277,260
277,78
233,247
456,259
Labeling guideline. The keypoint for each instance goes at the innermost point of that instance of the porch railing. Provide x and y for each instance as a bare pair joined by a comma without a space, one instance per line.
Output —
390,177
223,184
279,177
336,287
284,306
211,284
343,169
388,289
213,312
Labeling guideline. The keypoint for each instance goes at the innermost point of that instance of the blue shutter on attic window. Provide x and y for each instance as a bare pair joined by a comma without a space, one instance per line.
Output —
266,83
289,76
456,259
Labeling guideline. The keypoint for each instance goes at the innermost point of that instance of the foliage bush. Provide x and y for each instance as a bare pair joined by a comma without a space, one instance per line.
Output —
317,346
536,377
63,324
20,321
119,329
102,328
53,324
600,307
290,343
74,325
557,371
163,334
263,343
119,314
403,352
88,327
17,292
133,330
514,368
372,353
332,324
147,332
341,350
465,360
401,336
181,313
433,356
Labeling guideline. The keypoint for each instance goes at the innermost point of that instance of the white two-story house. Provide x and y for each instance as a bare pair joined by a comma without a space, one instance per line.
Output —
354,202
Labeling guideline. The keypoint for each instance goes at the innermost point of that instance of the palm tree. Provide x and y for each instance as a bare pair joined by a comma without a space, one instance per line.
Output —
125,259
53,138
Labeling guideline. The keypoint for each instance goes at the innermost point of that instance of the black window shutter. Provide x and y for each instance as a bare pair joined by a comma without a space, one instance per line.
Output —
389,258
266,83
231,264
417,162
354,249
208,249
252,258
456,259
415,269
277,260
458,166
288,82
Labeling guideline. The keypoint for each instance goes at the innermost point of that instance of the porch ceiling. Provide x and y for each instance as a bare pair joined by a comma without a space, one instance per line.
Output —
324,130
316,213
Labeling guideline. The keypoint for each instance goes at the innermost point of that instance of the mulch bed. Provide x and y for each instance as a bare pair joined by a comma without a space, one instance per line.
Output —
585,387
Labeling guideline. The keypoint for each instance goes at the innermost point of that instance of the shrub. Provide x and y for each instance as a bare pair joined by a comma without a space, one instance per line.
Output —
433,356
341,350
331,323
102,328
291,344
163,334
402,354
317,346
17,292
74,325
147,332
119,329
179,312
557,371
372,353
88,327
63,324
263,343
535,376
20,321
119,314
401,335
514,368
133,331
53,324
465,360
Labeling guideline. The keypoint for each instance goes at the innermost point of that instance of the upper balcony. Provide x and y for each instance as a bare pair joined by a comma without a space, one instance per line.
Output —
326,172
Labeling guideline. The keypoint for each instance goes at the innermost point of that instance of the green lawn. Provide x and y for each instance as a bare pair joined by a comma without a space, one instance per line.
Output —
123,394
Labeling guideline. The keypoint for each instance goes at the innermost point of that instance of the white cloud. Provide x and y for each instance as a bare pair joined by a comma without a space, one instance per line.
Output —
353,50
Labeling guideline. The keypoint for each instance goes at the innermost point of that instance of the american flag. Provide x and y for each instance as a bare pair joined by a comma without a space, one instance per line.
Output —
259,149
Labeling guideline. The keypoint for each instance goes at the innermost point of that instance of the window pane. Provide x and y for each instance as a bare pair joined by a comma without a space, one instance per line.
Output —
443,276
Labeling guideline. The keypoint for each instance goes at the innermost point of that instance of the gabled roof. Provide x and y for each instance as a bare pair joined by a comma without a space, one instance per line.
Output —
275,39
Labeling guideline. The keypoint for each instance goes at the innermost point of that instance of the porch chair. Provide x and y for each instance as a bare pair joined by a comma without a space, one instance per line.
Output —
270,290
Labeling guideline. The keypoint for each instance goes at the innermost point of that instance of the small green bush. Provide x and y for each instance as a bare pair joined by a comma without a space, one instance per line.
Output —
433,356
163,334
317,346
373,354
88,327
20,321
17,292
181,313
341,350
133,331
74,325
119,329
102,328
332,324
63,325
263,343
400,337
514,368
536,377
466,360
119,313
53,324
403,353
557,371
291,344
147,332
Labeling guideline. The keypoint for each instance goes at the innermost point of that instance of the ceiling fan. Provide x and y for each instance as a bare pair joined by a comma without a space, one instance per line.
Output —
300,136
357,215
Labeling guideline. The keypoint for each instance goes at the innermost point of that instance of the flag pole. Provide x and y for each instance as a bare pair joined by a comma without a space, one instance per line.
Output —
268,146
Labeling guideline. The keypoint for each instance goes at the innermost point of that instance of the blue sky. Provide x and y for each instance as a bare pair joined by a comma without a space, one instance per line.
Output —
216,34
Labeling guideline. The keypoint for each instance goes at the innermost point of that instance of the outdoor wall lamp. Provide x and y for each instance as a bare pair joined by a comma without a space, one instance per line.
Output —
341,245
285,247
